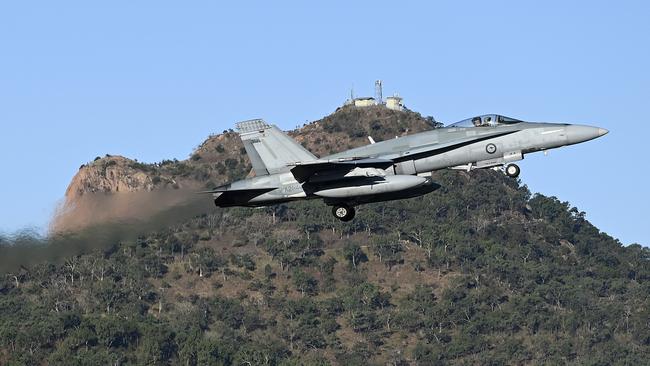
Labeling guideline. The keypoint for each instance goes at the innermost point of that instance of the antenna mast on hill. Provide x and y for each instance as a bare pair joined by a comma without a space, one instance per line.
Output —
378,98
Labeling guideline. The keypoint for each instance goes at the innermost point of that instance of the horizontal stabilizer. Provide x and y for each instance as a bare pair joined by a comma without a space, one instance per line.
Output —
303,171
225,188
238,197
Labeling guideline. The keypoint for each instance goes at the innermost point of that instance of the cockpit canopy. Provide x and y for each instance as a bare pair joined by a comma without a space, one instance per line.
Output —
485,120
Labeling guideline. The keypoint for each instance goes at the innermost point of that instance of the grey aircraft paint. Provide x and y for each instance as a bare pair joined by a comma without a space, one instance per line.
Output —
386,170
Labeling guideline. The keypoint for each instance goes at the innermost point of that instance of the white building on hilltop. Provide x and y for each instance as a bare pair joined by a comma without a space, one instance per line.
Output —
362,102
395,102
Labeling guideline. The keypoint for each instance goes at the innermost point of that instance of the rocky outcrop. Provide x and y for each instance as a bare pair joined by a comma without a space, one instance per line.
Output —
92,195
110,174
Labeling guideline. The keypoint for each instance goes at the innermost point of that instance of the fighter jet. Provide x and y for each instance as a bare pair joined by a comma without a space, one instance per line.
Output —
388,170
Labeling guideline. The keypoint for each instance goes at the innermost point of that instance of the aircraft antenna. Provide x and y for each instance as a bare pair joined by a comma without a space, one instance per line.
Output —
378,96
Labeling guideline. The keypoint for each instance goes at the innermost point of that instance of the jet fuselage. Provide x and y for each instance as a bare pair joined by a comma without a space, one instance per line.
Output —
400,164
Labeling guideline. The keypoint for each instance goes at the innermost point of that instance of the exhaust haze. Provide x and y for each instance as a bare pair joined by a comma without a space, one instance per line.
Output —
98,221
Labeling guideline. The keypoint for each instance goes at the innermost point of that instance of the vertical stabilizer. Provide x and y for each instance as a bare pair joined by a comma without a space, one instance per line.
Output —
270,149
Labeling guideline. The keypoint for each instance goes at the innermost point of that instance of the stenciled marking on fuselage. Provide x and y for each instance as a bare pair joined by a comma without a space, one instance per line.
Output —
290,188
553,131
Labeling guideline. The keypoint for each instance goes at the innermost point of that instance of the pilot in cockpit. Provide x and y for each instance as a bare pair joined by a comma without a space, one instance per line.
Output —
487,120
476,121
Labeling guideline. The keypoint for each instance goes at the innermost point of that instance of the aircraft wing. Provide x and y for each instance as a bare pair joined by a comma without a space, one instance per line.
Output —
303,171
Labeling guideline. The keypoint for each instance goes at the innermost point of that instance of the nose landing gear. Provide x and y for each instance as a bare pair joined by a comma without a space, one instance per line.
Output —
512,170
343,212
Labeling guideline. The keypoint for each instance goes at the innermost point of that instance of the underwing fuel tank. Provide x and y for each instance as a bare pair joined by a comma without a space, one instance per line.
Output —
372,186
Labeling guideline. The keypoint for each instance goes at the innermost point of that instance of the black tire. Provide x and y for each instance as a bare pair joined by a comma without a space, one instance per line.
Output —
343,212
512,170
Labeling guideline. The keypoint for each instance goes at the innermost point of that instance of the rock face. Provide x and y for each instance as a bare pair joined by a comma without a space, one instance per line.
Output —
110,174
105,190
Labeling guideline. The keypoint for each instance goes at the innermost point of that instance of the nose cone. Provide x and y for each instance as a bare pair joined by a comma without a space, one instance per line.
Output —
579,133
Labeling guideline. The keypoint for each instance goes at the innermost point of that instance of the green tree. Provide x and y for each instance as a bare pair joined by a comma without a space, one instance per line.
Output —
354,254
305,282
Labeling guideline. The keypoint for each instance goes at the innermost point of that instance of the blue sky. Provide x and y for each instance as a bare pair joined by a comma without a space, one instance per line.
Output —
152,79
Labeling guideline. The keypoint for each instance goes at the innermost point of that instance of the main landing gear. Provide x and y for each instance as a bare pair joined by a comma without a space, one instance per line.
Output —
343,212
512,170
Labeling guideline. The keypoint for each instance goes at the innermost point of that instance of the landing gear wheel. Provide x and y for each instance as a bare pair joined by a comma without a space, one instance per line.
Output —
343,212
512,170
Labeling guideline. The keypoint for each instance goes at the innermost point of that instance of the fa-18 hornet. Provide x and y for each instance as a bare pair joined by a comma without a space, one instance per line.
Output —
388,170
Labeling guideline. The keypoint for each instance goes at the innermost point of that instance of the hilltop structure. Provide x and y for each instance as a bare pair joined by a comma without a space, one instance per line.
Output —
394,102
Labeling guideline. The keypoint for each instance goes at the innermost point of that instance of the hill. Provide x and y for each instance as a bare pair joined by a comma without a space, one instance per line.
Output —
479,272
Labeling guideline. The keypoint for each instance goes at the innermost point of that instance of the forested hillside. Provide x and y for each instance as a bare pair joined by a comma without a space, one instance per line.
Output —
477,273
